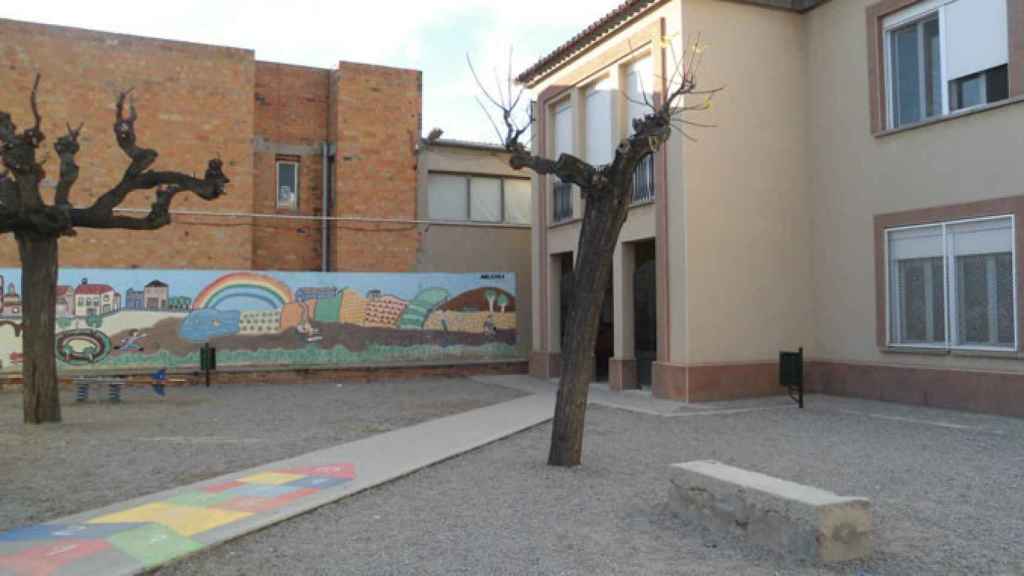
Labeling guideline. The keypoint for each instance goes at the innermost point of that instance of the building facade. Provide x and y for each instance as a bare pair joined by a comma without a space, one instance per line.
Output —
857,197
328,169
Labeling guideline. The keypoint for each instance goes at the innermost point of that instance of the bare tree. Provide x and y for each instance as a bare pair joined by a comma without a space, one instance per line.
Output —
37,226
606,191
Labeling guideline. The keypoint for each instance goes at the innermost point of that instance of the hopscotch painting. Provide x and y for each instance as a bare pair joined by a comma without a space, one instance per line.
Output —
110,319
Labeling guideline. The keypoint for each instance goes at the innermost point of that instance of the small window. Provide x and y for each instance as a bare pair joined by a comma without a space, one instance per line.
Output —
287,184
951,285
485,199
980,88
518,193
447,197
463,197
944,56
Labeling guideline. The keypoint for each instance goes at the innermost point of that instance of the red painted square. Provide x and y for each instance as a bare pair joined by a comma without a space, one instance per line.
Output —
343,470
218,488
257,504
45,559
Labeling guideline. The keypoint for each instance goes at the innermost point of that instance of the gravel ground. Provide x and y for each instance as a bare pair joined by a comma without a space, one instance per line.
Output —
948,491
105,453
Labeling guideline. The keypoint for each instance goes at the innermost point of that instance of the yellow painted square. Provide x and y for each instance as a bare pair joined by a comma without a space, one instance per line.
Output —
185,520
271,478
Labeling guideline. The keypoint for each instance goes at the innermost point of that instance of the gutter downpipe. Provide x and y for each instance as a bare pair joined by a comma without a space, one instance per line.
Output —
325,208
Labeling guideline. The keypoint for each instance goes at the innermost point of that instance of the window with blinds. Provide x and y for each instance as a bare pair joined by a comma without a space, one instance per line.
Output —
466,197
951,285
943,56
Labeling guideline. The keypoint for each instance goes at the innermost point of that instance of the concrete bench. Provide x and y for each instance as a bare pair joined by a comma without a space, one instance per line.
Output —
790,518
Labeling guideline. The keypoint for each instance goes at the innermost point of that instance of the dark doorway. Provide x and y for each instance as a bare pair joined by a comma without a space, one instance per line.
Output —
565,293
645,311
604,346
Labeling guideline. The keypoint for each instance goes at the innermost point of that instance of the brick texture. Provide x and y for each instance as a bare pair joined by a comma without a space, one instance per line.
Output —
291,113
377,114
195,102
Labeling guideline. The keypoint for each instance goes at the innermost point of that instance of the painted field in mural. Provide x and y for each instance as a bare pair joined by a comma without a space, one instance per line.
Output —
108,319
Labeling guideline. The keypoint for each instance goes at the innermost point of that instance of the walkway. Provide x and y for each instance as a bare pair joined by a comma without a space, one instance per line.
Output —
135,536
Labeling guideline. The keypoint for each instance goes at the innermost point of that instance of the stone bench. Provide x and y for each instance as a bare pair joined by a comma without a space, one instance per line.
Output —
790,518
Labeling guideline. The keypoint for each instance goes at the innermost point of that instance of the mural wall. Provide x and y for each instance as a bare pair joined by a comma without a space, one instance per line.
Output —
109,319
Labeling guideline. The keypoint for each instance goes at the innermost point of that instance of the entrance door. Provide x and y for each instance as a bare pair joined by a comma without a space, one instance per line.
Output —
645,312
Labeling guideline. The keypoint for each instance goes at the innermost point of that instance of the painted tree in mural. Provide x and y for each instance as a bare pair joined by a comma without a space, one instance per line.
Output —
607,190
37,226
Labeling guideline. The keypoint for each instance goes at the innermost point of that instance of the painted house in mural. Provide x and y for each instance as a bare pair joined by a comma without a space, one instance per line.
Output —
11,301
65,301
179,303
95,299
134,299
156,294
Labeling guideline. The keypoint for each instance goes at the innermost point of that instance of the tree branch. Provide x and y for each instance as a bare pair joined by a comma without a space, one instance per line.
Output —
137,177
124,131
168,184
66,147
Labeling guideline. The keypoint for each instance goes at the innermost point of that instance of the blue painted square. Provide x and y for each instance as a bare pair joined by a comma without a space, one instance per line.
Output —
261,490
320,482
74,531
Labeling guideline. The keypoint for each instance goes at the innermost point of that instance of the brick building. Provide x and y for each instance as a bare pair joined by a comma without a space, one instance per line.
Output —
327,166
272,124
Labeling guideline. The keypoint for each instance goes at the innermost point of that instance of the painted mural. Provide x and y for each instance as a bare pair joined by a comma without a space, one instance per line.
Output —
109,319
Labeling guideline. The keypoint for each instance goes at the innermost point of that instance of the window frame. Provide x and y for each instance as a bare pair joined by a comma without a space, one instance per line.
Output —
467,178
890,15
949,293
294,206
915,14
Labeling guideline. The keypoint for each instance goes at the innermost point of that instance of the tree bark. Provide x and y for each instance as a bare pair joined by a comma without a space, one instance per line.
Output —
40,399
604,216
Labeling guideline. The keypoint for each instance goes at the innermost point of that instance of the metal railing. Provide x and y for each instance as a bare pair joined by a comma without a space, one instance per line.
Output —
561,201
643,181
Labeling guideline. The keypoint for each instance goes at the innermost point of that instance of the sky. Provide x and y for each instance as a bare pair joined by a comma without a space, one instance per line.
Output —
433,36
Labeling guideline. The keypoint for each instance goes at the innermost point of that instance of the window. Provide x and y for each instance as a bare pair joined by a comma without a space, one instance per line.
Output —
943,56
600,120
639,85
951,285
562,194
517,201
485,199
447,197
462,197
287,184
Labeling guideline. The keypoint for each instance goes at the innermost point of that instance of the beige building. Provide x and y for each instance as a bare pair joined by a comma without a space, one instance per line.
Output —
857,197
474,211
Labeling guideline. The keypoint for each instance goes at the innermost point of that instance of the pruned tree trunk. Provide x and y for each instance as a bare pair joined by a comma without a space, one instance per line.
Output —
603,219
41,402
37,226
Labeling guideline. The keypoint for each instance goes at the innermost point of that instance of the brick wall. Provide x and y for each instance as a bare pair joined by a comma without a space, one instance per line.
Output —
377,114
195,102
291,124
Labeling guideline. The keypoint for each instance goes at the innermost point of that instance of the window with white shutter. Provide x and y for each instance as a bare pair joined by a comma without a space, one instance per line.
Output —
952,284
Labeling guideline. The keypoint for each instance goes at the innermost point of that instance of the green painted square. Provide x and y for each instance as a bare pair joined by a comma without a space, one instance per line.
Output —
198,499
153,544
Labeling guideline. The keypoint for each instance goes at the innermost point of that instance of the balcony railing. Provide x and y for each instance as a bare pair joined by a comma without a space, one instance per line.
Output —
562,201
643,181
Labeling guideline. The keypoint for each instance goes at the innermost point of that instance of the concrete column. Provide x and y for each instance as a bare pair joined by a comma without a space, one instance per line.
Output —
545,360
622,370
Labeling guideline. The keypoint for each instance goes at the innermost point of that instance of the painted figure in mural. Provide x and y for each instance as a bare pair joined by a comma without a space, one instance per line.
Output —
306,328
490,328
130,343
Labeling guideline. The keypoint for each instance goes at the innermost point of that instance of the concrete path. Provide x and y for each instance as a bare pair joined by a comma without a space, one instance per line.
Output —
641,401
135,536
